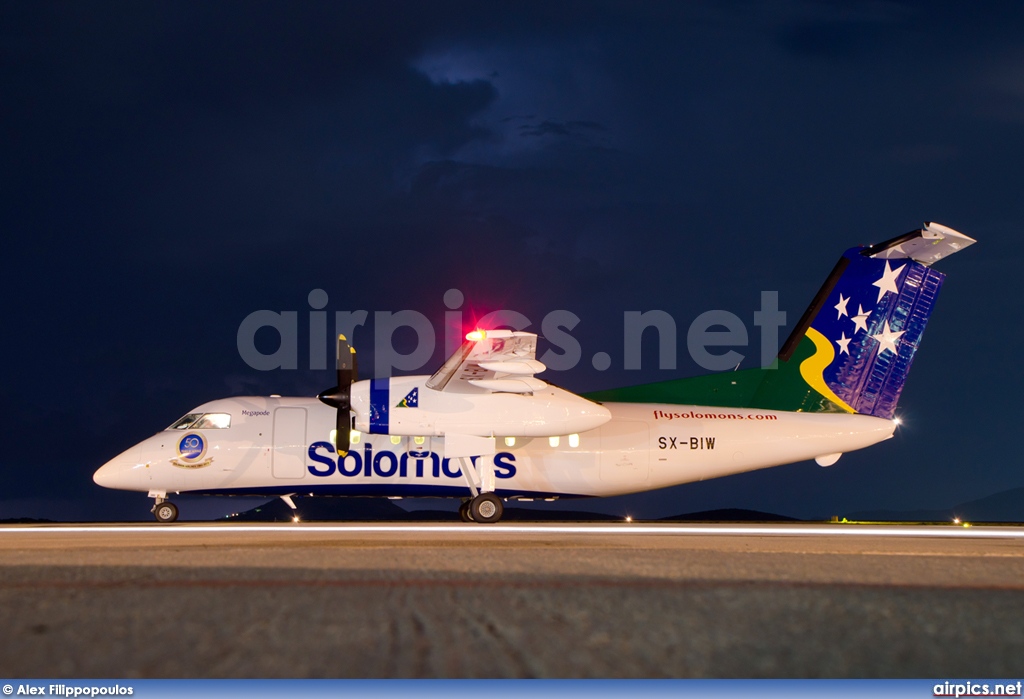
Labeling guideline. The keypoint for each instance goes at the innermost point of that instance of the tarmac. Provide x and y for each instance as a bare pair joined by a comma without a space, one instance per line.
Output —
544,601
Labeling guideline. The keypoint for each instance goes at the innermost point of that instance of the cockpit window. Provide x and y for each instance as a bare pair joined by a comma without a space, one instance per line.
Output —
213,421
203,421
185,422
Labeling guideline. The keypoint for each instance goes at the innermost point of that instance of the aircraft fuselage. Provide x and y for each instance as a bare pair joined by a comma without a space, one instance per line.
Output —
281,446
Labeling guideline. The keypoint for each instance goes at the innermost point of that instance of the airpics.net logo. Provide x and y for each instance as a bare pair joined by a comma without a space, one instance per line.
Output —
977,689
713,338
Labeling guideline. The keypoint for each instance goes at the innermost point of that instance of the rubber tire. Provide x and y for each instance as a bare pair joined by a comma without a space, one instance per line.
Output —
166,512
464,514
486,508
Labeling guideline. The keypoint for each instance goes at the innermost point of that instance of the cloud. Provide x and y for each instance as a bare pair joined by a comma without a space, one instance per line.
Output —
560,128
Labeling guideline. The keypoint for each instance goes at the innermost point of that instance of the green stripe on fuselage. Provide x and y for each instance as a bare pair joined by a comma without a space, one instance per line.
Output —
780,387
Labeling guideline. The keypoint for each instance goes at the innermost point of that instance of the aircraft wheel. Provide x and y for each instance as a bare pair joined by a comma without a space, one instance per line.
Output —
486,508
464,514
165,512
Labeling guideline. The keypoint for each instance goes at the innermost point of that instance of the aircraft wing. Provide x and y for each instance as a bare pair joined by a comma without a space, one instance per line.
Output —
497,361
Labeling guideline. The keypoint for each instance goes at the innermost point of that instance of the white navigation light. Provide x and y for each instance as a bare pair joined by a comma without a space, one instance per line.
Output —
476,335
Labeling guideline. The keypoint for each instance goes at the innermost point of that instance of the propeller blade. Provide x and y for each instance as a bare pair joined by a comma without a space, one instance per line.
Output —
342,427
345,361
340,397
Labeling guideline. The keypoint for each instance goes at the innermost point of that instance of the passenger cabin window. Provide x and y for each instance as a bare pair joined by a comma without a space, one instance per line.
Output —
203,421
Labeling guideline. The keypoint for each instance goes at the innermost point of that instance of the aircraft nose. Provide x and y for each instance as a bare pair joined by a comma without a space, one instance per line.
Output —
104,475
113,473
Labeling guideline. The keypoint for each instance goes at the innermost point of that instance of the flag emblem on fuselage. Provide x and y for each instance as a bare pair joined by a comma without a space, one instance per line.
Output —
411,400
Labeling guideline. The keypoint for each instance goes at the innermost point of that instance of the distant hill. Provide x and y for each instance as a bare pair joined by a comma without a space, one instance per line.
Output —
1007,506
729,515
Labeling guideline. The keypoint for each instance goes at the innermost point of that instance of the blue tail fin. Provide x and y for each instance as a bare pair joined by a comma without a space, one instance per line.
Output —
852,348
866,322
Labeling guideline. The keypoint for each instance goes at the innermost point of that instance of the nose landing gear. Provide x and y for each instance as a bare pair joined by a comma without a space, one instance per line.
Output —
164,510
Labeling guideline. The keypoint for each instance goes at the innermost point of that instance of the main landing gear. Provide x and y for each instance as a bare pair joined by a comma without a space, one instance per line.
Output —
164,510
484,507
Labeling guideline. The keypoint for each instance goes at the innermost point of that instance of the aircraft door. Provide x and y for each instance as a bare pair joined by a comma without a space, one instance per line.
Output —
289,457
625,452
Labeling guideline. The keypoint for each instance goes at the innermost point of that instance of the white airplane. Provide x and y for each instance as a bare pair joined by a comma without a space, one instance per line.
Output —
485,429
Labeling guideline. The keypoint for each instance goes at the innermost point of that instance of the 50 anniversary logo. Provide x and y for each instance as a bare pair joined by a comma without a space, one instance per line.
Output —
191,450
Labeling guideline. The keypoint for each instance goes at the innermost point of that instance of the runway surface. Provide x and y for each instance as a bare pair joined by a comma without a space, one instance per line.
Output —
630,600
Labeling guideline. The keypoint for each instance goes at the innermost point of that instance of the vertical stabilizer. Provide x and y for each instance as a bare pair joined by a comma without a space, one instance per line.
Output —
853,347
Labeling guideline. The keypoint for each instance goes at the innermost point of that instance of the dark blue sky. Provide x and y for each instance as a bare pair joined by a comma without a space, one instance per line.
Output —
168,168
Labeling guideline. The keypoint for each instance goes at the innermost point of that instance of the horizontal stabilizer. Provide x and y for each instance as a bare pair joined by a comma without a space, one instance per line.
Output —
926,245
